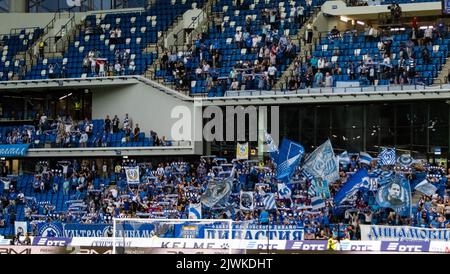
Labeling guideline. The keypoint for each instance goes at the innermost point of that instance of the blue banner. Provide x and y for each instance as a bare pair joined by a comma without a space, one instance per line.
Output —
358,181
13,150
290,155
396,194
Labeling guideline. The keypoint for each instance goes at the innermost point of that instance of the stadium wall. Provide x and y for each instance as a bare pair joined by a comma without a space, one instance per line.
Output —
147,106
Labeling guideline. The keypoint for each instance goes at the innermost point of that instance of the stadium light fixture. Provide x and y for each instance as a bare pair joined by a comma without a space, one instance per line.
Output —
360,23
344,19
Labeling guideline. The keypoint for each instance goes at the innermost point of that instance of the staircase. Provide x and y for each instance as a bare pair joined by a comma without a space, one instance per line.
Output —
53,48
305,49
442,77
163,45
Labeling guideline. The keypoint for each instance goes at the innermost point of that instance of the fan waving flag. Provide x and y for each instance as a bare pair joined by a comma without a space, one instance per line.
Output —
322,163
365,158
387,157
358,181
288,159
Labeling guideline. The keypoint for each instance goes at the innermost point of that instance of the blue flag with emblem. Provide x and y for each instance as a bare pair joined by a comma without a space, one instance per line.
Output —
387,157
322,163
358,181
284,192
290,155
396,194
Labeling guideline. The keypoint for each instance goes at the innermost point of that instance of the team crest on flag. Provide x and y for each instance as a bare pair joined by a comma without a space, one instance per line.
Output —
387,157
247,200
322,163
132,175
242,151
195,211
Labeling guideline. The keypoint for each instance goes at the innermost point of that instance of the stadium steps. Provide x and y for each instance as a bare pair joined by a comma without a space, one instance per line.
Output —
300,42
150,73
31,57
443,74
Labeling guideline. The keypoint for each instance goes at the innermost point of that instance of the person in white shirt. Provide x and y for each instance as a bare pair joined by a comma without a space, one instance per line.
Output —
83,139
328,80
272,72
117,69
238,39
101,69
320,63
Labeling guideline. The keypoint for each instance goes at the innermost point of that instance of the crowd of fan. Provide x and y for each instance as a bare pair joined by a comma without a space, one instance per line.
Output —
315,71
167,189
73,133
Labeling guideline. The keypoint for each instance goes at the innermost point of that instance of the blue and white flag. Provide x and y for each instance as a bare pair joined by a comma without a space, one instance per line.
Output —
317,203
272,148
284,192
405,160
344,158
358,181
132,175
290,155
195,211
396,194
319,188
322,163
426,188
217,192
365,158
387,157
269,201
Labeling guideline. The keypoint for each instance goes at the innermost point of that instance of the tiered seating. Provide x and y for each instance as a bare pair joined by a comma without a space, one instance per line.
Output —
137,31
234,18
354,50
95,139
13,44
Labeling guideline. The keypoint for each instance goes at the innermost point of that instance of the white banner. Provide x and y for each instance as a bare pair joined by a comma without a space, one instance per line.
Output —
132,175
395,233
179,243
